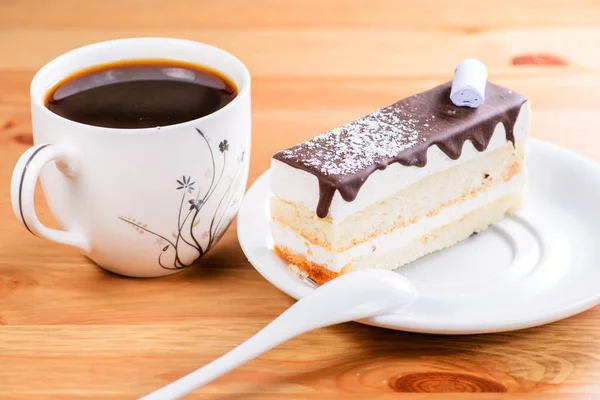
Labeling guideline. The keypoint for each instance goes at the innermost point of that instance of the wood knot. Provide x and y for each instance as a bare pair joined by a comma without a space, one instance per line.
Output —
23,138
444,382
538,59
14,283
467,30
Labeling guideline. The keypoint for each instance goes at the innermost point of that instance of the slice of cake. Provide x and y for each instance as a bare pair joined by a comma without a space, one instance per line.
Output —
397,184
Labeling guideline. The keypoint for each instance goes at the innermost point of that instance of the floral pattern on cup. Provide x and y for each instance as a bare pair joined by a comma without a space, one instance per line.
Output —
191,207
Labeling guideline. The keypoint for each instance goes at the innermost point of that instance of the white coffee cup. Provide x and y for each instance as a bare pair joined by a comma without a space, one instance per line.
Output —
139,202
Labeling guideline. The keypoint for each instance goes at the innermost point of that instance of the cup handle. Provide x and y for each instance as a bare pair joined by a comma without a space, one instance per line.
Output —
22,187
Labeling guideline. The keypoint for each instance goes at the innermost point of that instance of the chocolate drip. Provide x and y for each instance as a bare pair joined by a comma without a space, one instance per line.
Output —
345,157
326,192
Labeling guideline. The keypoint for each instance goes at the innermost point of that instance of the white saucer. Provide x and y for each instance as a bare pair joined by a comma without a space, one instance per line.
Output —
533,268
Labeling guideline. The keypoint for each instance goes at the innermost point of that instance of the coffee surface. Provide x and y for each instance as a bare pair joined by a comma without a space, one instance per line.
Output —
140,94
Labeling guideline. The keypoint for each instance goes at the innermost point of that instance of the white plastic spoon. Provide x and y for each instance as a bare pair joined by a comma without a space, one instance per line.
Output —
350,297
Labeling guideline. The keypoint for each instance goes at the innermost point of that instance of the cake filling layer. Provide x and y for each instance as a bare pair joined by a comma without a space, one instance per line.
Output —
382,242
418,201
428,243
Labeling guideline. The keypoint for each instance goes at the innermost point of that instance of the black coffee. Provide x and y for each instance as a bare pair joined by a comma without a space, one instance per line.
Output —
140,94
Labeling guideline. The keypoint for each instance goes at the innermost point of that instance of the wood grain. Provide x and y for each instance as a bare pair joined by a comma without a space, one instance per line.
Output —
69,330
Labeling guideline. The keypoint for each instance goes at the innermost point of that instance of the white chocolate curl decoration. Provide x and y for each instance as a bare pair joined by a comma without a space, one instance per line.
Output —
468,86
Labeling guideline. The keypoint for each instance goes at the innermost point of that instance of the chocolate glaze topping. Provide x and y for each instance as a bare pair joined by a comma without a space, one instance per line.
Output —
343,158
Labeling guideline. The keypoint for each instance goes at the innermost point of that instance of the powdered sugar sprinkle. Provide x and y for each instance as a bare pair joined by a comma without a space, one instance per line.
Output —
359,144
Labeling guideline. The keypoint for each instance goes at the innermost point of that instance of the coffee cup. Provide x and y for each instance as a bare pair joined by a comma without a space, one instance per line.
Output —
139,202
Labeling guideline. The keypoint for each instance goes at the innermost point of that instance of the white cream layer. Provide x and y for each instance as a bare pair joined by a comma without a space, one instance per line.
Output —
285,237
297,186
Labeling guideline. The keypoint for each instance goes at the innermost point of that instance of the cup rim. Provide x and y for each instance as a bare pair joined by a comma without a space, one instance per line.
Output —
37,99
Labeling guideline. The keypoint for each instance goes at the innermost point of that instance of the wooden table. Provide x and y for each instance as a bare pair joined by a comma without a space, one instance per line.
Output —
69,330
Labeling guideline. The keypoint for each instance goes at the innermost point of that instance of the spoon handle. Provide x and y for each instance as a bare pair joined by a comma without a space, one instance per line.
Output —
350,297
